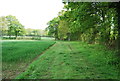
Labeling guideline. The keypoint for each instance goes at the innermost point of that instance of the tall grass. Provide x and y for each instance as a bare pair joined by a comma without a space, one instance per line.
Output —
17,54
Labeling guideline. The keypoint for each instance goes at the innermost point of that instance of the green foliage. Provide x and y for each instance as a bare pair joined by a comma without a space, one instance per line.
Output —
11,26
3,25
35,32
62,30
53,27
15,27
89,22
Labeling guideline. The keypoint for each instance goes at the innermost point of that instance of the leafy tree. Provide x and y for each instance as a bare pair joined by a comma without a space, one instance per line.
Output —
63,30
14,26
93,22
53,27
34,32
3,25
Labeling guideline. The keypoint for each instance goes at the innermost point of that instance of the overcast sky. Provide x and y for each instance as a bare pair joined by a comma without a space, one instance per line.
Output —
31,13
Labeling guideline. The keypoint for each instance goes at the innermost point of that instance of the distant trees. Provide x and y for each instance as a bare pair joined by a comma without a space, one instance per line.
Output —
3,25
11,26
93,22
35,32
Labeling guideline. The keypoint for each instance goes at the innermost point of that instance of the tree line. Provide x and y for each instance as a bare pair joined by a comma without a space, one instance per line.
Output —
10,26
93,22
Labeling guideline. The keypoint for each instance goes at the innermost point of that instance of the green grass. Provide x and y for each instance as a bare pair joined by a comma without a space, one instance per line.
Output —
73,60
16,55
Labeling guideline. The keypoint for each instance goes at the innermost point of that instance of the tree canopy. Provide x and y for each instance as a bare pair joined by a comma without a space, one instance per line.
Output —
11,26
93,22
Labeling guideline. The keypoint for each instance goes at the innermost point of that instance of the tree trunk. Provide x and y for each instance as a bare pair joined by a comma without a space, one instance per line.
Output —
16,34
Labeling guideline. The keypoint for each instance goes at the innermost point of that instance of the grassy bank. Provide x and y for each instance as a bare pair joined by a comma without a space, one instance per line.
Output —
16,55
73,60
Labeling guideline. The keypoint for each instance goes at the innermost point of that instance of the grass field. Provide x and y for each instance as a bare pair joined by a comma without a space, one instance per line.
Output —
16,55
73,60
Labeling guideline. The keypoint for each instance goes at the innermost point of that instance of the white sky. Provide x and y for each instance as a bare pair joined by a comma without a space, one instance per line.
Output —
31,13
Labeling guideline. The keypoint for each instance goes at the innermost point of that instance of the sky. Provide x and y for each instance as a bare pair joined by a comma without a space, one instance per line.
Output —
31,13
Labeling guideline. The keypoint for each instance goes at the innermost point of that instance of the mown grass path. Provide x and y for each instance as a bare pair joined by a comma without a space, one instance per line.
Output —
72,60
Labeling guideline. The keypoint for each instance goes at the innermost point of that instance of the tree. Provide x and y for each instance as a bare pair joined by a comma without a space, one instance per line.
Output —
63,30
14,26
93,22
3,25
53,27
